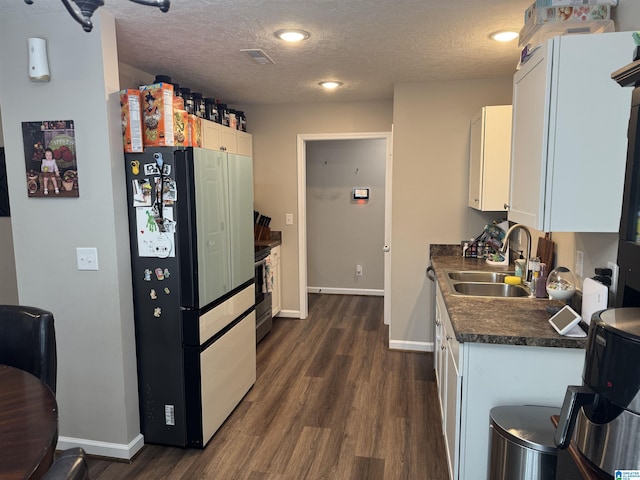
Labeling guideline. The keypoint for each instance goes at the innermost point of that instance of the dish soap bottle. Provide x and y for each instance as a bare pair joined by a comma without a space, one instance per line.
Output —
521,266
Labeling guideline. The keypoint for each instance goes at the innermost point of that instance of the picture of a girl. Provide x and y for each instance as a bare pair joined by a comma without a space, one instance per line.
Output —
49,169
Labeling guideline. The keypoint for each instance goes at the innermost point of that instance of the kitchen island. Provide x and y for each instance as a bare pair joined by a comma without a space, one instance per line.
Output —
490,352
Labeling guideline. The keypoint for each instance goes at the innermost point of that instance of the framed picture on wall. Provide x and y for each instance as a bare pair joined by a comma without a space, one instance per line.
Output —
50,159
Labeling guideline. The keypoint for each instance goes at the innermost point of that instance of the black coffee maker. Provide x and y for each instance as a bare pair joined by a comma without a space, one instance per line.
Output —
605,410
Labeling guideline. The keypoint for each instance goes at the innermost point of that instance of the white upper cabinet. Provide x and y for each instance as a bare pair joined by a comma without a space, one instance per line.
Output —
230,140
569,137
489,158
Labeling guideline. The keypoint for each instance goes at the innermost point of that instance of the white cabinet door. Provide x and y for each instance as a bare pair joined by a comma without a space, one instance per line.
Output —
228,372
229,139
439,354
454,394
220,137
211,135
245,143
449,377
569,134
490,158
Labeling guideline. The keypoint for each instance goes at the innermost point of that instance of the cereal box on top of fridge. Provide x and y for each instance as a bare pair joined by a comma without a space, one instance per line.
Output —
178,103
196,130
130,119
157,114
181,128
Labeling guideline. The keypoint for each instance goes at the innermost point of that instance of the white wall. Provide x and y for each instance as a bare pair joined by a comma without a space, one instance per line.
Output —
341,232
275,129
430,190
97,381
626,16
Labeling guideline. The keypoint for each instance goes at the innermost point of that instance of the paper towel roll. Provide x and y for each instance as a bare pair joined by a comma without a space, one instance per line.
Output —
595,296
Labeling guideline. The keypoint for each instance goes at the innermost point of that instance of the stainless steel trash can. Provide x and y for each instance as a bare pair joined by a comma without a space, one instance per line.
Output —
522,446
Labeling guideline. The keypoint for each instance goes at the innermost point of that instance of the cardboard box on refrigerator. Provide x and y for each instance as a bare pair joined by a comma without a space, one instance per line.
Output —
535,15
571,3
157,115
181,132
546,22
195,127
131,122
178,103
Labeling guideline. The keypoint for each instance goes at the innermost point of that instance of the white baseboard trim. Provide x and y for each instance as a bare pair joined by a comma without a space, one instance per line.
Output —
103,449
346,291
411,346
289,313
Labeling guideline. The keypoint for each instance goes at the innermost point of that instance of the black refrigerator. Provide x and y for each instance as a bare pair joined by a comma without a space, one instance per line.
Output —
191,236
628,288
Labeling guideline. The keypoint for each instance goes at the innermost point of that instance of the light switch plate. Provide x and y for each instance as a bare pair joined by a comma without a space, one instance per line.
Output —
87,258
288,217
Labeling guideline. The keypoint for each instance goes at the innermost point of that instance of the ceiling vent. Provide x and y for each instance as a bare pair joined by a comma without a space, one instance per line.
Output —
258,56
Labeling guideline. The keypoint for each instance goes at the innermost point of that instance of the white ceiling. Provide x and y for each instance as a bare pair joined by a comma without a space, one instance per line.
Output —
367,44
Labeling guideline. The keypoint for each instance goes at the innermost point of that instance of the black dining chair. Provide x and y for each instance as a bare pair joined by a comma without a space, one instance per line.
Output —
71,464
28,341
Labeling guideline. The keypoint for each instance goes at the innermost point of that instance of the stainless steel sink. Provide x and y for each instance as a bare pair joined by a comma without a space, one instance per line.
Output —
490,289
486,277
481,283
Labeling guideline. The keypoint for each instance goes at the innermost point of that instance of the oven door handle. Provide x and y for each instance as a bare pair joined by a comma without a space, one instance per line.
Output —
261,262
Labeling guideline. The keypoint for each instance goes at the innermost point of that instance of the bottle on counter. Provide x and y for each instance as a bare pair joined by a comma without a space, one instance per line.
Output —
534,271
521,267
480,250
541,284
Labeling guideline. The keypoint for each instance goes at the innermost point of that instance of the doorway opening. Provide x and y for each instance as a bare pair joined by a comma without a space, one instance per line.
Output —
302,153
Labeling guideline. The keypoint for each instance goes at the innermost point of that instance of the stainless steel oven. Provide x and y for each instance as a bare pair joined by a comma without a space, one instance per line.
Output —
263,294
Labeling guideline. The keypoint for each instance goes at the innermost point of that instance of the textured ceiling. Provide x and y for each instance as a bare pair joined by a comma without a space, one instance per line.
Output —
367,44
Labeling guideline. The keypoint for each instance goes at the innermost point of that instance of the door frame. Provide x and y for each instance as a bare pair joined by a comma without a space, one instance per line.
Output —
302,140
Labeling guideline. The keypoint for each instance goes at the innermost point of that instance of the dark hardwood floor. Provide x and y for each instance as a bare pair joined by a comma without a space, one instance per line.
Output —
331,401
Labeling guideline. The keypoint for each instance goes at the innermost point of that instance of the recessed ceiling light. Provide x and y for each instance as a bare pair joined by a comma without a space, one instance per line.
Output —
292,35
504,36
330,85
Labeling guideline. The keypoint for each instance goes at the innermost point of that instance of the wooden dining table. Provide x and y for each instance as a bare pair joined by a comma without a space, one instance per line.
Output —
28,425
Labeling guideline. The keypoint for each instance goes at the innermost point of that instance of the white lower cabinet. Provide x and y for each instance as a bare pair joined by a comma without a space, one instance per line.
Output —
449,384
475,377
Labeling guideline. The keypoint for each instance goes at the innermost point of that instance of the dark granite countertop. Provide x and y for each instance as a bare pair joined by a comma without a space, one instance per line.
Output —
274,241
510,321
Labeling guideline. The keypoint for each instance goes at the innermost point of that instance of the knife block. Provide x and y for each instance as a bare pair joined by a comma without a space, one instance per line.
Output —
261,233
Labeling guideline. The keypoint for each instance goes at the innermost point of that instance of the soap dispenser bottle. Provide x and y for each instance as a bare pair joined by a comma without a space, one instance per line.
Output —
521,267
